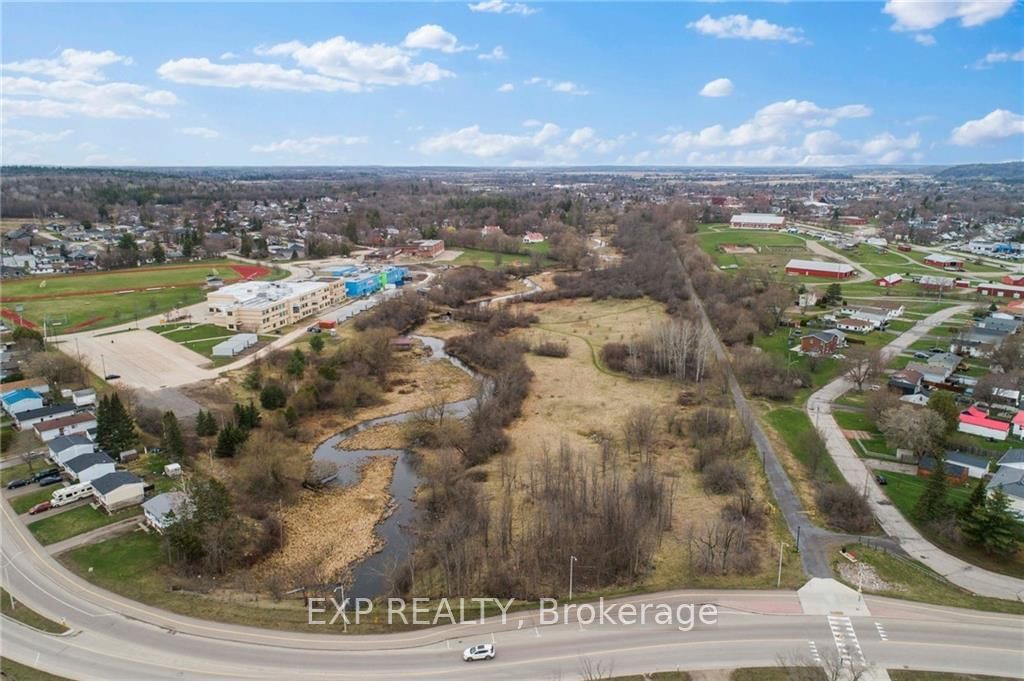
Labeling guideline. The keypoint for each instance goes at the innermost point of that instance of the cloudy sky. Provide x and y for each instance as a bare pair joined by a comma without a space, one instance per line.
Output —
510,83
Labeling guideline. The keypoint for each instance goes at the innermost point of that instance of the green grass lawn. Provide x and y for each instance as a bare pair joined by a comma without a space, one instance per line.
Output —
776,674
791,424
916,582
15,671
913,675
854,420
905,489
492,260
20,470
80,298
22,503
779,343
77,521
26,615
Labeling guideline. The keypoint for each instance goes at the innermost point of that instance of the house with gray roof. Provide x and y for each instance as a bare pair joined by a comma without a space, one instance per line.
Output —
165,509
977,466
88,467
1013,458
67,447
118,490
1011,481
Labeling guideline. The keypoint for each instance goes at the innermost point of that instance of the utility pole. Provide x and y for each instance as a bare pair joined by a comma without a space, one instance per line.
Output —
782,547
103,359
572,561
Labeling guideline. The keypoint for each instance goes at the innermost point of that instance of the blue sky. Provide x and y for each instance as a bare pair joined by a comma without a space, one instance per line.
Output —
508,83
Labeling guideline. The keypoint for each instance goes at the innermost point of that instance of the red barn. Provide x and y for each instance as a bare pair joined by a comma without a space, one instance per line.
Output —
946,262
1001,290
1014,279
820,268
889,280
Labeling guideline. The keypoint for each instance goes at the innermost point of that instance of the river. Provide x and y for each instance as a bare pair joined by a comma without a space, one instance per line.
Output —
369,576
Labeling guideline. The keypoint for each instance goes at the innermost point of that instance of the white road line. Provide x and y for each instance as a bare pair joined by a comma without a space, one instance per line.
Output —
846,638
814,651
881,631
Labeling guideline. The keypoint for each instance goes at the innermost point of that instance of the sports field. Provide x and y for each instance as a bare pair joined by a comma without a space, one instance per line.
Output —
78,302
774,249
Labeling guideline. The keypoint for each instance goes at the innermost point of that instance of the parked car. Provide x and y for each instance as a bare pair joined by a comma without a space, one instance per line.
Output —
936,349
880,479
921,355
20,482
50,480
39,508
111,377
45,474
483,651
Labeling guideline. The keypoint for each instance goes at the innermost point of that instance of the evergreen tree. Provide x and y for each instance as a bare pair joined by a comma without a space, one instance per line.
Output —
254,378
993,526
158,254
976,499
933,505
247,416
206,425
944,404
272,396
171,439
115,428
291,417
228,440
316,343
296,363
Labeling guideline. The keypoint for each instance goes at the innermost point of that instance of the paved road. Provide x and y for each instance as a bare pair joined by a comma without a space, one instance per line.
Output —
857,473
113,638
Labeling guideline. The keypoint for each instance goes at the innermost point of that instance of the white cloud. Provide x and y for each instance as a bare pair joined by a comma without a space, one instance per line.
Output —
307,145
334,65
506,87
998,125
225,56
999,57
205,133
887,148
923,15
502,7
719,87
743,27
926,39
377,64
63,98
563,86
434,37
497,54
71,65
544,143
259,75
28,137
823,142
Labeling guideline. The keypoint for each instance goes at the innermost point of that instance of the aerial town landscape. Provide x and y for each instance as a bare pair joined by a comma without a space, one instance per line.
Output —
744,413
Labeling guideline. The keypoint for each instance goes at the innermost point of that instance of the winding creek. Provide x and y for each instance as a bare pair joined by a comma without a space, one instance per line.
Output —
369,576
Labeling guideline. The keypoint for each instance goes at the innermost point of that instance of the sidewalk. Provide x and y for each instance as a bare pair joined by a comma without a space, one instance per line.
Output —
858,474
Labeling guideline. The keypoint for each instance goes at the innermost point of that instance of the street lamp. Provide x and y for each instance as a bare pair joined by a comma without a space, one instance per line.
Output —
572,561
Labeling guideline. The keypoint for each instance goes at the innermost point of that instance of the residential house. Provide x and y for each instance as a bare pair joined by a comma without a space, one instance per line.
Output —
88,467
18,401
889,280
1017,424
907,381
67,447
946,362
821,343
854,325
977,342
977,466
84,398
27,419
165,509
1002,324
933,283
533,238
492,230
955,473
37,384
118,490
1014,458
69,425
1010,480
975,421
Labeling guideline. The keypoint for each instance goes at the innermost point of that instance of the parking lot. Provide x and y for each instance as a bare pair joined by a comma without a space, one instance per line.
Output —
141,359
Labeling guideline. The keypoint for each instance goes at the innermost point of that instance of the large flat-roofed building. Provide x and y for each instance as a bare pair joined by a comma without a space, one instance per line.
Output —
757,221
819,268
262,306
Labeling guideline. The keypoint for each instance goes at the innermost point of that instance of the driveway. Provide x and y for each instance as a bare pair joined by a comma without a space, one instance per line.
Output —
858,473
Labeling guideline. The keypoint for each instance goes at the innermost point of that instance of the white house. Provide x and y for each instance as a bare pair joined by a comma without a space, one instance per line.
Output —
88,467
1011,481
855,325
69,425
165,509
974,421
17,401
118,490
27,419
1014,458
977,466
68,447
533,238
84,398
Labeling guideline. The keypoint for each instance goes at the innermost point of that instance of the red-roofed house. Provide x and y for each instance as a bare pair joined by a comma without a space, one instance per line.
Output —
491,230
533,238
1014,279
1018,424
889,280
974,421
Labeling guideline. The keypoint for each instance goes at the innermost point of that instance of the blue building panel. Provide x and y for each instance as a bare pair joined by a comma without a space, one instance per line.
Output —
363,286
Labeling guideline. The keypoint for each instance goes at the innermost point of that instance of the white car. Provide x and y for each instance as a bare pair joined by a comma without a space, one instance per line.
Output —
483,651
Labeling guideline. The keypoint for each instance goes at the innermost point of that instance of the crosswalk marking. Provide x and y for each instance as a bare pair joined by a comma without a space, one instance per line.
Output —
814,651
846,639
881,631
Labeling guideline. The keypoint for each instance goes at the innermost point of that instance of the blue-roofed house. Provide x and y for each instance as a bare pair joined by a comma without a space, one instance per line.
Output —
1014,458
18,401
977,466
1011,481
